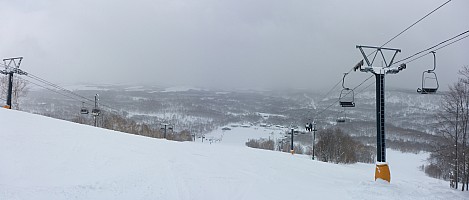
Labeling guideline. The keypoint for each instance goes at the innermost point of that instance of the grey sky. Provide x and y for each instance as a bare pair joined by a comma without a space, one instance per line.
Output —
229,43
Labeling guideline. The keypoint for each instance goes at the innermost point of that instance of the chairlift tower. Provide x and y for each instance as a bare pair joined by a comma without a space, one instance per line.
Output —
12,66
96,111
314,138
382,168
292,150
166,126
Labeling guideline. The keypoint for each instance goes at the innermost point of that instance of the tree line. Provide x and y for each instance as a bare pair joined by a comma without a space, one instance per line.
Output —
333,145
450,160
117,122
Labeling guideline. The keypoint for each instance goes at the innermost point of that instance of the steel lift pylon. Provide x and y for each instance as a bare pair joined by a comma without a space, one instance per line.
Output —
382,168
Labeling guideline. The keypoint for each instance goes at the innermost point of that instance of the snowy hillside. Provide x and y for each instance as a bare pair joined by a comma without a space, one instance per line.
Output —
201,111
45,158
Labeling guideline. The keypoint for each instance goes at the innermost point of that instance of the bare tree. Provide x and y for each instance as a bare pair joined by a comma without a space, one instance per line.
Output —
337,147
465,121
123,124
268,144
451,156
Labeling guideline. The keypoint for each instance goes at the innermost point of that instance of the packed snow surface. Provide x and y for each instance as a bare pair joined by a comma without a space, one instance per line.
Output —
45,158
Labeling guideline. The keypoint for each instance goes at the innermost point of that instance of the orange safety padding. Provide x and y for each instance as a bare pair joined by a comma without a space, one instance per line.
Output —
382,172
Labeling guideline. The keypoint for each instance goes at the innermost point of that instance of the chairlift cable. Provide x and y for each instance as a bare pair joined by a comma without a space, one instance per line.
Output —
337,84
451,43
437,49
366,87
335,102
416,23
331,89
70,92
434,46
58,87
428,14
32,76
387,42
65,90
363,82
428,49
68,96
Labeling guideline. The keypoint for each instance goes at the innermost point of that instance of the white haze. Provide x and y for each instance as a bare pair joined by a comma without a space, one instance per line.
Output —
225,44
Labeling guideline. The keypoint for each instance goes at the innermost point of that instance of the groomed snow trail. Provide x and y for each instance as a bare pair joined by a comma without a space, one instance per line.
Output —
45,158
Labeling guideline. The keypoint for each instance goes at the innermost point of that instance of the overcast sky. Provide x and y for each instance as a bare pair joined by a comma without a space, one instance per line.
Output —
226,43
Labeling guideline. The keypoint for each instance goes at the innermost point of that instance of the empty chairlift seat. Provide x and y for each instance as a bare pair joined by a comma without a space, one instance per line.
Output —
427,90
83,109
340,119
347,98
429,79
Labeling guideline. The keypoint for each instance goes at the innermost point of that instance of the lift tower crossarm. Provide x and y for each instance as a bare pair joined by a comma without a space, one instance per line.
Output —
15,68
380,50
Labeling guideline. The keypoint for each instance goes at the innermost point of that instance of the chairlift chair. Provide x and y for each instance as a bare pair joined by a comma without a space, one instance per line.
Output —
343,99
341,119
95,112
347,101
431,75
84,110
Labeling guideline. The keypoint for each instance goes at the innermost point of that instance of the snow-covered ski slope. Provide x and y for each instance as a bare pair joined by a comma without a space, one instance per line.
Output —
44,158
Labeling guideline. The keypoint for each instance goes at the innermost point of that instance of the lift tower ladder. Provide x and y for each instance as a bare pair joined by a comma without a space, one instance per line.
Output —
382,169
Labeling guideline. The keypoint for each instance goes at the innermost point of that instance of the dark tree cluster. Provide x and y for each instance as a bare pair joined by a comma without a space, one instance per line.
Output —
337,147
267,144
